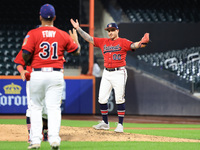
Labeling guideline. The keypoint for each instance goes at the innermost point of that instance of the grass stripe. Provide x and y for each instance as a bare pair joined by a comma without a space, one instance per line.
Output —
77,123
106,146
188,134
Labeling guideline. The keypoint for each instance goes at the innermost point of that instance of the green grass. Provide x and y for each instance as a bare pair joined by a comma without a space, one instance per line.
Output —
77,123
137,125
106,146
13,121
190,134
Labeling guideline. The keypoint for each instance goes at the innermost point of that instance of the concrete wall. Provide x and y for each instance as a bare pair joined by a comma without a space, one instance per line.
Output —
147,95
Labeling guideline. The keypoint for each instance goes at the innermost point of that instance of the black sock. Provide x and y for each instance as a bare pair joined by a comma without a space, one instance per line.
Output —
28,123
121,112
104,112
45,124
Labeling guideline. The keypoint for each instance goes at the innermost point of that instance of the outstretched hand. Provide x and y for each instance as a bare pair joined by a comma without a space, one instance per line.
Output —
75,24
73,34
145,40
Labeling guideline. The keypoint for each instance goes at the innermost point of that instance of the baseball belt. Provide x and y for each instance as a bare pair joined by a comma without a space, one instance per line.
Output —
114,69
46,69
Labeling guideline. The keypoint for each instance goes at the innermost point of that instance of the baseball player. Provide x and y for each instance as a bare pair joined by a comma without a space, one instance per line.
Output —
114,50
43,49
25,75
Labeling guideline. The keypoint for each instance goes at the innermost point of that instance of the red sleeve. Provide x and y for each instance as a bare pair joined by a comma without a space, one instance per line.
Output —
127,44
19,59
98,41
71,45
29,42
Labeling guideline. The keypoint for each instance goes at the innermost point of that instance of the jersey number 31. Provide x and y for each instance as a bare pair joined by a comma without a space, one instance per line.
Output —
45,54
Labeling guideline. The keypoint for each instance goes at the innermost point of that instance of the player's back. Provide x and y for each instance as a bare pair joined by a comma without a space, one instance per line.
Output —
47,45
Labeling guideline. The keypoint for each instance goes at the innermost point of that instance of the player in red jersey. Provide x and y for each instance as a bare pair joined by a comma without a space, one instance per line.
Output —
114,50
25,75
43,49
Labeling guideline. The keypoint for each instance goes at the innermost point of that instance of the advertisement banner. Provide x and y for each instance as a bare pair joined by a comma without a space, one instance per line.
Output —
77,96
12,96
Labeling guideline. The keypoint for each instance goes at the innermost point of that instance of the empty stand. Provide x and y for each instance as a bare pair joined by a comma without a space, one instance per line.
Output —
184,63
20,17
156,10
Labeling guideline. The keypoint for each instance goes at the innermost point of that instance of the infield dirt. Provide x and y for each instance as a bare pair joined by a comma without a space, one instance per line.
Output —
19,133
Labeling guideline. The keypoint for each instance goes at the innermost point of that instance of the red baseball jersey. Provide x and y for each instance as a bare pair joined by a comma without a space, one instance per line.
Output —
114,51
20,60
47,45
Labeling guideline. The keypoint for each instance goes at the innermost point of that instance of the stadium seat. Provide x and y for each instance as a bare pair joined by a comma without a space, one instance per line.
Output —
154,11
14,27
14,52
2,72
15,73
184,63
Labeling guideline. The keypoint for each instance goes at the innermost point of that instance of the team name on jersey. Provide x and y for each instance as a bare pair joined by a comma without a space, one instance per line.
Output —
111,48
48,33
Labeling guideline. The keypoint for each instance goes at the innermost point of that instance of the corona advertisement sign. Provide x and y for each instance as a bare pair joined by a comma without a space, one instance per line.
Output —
12,89
12,96
78,95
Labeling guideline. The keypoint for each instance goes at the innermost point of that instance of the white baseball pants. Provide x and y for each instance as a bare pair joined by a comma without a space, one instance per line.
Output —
46,86
28,98
113,79
28,111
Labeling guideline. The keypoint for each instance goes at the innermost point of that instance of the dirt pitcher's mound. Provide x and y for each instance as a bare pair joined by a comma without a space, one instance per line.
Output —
19,133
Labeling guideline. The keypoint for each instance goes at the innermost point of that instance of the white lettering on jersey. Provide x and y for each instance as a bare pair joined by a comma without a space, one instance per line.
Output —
48,33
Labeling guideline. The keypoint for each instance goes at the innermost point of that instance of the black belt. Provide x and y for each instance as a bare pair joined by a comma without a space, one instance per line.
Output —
113,69
40,69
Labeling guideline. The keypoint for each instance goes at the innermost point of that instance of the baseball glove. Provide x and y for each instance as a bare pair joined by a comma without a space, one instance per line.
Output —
145,40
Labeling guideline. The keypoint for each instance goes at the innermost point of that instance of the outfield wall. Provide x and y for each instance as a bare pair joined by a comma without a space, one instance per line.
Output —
145,95
79,95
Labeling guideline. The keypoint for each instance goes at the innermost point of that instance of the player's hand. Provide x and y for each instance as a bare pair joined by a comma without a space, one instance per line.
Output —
75,24
145,40
22,74
73,34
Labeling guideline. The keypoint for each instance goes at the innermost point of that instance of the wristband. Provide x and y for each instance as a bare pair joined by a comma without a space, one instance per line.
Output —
142,45
20,68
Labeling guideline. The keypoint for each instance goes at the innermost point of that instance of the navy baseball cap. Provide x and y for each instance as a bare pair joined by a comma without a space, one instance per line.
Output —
112,25
47,11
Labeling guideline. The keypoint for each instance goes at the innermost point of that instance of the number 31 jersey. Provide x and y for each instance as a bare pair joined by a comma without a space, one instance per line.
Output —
47,45
114,51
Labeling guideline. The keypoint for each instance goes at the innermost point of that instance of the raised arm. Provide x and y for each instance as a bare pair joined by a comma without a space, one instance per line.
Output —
83,34
135,45
142,43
